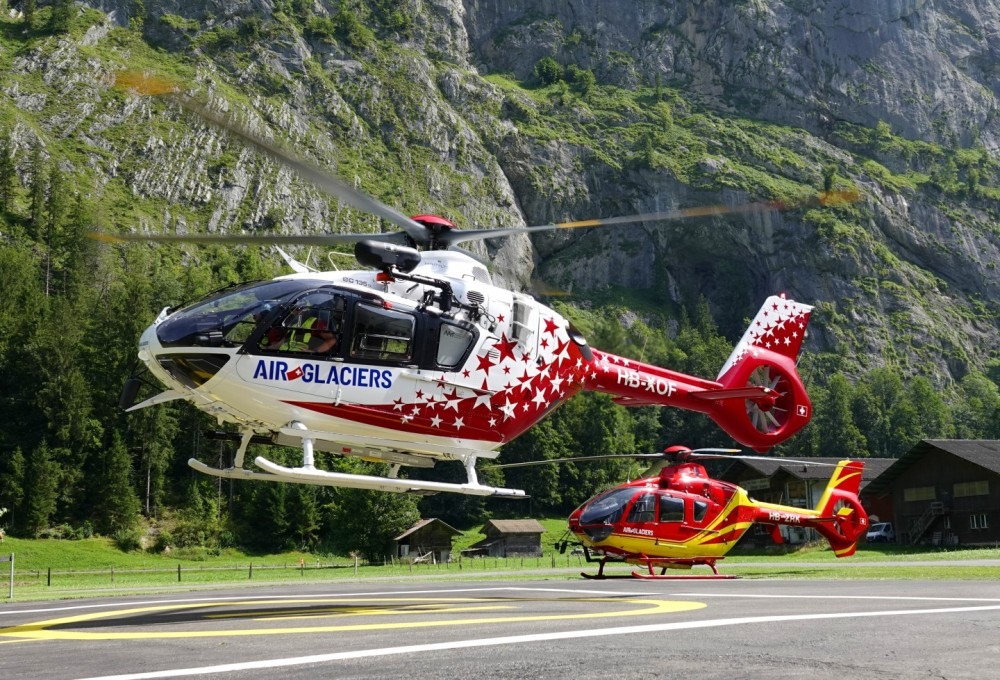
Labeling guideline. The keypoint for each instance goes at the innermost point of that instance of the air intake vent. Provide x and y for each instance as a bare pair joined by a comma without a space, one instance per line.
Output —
481,275
475,297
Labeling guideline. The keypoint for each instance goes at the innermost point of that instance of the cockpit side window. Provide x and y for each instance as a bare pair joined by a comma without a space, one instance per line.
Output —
453,344
644,509
671,509
313,325
382,334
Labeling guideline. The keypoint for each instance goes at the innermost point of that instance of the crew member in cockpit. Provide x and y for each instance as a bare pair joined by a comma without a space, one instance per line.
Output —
308,333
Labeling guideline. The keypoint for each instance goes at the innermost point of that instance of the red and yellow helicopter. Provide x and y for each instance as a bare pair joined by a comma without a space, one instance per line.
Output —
422,358
676,516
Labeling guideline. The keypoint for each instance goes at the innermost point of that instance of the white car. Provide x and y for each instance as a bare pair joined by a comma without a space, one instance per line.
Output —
881,533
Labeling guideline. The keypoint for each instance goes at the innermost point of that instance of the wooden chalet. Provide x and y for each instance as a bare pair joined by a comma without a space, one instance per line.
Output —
943,492
429,540
795,484
510,538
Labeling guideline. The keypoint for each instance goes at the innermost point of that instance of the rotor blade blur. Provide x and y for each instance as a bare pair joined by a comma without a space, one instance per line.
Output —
776,460
306,170
612,456
826,198
262,239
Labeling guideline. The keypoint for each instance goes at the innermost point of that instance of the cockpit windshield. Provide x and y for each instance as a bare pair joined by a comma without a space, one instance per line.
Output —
225,317
607,508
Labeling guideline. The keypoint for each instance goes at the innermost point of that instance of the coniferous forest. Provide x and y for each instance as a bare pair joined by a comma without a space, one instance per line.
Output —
72,464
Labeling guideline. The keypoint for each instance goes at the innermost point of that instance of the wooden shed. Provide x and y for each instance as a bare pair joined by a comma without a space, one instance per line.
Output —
510,538
429,540
944,492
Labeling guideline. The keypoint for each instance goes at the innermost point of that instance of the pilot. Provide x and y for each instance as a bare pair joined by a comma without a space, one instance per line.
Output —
275,335
309,334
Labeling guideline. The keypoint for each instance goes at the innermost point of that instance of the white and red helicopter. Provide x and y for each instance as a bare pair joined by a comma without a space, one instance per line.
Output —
421,358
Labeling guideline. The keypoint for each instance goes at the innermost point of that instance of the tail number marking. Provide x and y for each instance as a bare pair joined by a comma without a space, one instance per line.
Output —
659,386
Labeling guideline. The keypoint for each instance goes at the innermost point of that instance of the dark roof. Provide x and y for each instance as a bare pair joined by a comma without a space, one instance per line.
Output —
768,468
421,524
515,526
982,452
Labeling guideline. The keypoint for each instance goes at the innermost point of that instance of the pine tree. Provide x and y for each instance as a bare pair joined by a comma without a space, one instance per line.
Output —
40,491
8,174
36,194
118,506
12,482
59,18
28,9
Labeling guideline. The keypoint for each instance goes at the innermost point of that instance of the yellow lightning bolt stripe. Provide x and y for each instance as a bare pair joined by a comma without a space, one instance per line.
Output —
43,630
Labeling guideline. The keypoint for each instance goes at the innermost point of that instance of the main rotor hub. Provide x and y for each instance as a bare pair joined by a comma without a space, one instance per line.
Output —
438,229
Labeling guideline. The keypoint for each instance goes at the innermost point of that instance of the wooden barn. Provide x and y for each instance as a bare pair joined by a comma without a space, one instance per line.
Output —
429,540
510,538
944,492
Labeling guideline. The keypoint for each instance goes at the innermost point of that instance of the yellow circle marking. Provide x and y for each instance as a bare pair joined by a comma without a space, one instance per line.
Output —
44,630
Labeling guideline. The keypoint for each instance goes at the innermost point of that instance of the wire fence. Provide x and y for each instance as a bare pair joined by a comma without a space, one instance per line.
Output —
35,580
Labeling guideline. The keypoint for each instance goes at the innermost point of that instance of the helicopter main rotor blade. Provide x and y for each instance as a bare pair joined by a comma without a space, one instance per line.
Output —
273,240
612,456
308,171
826,198
776,460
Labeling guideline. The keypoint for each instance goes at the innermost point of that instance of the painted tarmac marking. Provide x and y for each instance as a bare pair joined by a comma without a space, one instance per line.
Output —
522,639
60,628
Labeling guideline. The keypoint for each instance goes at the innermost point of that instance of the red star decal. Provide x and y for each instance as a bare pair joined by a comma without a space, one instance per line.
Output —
551,326
506,348
465,373
485,364
500,318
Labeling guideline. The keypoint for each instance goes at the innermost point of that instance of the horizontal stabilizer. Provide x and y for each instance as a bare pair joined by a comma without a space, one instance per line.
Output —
161,398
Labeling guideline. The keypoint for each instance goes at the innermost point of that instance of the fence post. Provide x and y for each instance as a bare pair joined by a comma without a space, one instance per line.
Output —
178,572
11,560
251,571
48,581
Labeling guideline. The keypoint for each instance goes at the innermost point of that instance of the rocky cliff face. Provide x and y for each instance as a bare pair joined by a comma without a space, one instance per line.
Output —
436,109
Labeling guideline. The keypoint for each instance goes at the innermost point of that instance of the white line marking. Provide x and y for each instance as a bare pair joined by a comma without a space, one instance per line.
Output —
842,597
522,639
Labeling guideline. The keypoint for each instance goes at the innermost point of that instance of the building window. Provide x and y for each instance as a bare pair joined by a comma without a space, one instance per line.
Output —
978,521
978,488
919,493
947,522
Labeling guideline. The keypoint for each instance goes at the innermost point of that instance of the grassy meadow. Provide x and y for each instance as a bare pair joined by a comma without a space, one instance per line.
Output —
53,569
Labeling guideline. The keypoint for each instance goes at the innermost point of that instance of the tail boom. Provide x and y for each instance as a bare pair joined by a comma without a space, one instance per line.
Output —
838,517
758,398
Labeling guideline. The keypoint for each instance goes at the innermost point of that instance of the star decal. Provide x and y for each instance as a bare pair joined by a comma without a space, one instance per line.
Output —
506,348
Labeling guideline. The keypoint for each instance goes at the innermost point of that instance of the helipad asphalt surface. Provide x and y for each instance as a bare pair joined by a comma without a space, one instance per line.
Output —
555,629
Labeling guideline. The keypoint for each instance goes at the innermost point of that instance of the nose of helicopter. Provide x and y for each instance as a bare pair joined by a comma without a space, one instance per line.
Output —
149,345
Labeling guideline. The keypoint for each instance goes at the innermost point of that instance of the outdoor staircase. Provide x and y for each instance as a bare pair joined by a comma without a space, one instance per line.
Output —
920,527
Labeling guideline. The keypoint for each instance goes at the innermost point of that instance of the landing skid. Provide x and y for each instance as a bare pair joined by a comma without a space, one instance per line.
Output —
663,564
308,473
